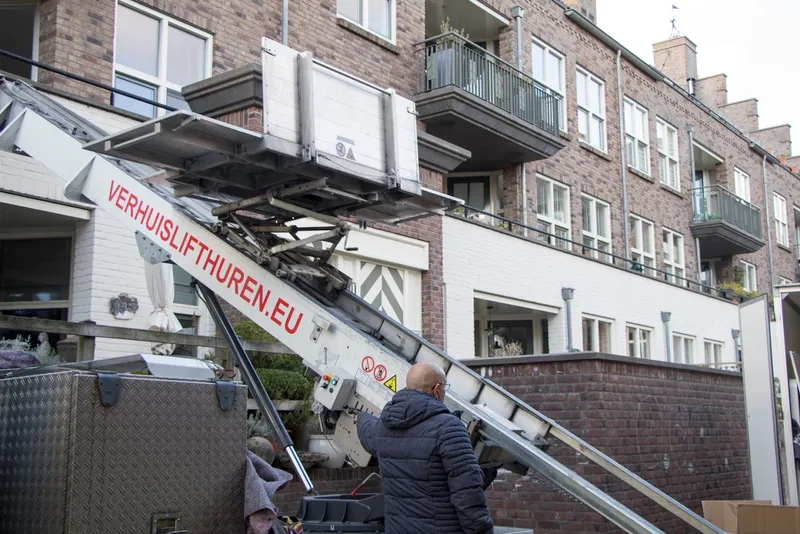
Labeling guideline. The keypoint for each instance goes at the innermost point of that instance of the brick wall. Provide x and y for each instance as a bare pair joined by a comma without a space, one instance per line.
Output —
777,138
327,482
680,428
743,114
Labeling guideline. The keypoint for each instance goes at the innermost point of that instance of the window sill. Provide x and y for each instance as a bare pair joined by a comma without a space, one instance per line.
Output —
565,135
668,189
586,146
640,174
784,247
369,36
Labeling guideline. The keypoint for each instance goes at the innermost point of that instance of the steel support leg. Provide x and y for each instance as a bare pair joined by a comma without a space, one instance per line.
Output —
255,386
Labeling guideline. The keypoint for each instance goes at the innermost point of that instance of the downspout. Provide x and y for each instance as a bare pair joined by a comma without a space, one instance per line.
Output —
623,171
665,317
285,24
769,231
517,12
694,201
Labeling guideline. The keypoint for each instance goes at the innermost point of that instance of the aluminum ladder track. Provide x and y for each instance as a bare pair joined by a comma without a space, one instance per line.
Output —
320,323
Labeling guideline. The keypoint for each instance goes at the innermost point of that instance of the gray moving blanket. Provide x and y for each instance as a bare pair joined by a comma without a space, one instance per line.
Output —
261,483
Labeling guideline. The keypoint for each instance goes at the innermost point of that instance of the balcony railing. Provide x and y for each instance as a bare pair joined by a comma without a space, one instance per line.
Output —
560,242
715,203
451,60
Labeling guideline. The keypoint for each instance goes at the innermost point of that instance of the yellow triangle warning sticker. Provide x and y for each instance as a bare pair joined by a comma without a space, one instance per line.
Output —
392,384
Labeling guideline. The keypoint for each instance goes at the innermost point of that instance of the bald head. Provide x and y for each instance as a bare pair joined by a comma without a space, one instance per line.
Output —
427,378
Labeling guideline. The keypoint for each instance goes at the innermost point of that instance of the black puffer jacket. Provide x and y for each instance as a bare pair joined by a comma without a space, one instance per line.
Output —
431,479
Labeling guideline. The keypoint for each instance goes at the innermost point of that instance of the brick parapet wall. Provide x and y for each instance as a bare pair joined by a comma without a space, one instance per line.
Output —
680,428
326,482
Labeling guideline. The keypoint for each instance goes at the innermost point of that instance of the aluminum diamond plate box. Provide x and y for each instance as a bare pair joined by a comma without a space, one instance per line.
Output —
164,451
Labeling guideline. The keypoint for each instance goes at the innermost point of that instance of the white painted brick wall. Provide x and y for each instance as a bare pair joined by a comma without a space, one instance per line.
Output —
479,259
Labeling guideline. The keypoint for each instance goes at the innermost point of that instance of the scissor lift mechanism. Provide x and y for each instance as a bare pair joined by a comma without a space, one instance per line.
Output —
217,201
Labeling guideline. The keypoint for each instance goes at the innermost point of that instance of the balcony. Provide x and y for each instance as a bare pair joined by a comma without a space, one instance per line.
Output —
724,223
479,102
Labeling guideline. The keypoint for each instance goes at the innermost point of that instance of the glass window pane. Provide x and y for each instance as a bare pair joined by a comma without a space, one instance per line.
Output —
629,128
594,97
380,17
587,214
476,197
642,157
184,294
602,228
560,204
582,97
542,198
16,35
554,72
597,133
35,270
583,123
137,41
139,89
538,63
605,337
186,57
350,9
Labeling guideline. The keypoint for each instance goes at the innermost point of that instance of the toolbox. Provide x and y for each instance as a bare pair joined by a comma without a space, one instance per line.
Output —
96,452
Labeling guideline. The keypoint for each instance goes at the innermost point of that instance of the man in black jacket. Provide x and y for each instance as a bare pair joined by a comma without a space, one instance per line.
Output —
431,478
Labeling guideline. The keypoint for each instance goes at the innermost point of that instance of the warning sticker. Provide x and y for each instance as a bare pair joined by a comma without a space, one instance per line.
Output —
361,376
350,154
380,373
392,384
368,364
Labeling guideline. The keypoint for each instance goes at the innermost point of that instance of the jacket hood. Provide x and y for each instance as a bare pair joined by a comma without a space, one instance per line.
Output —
409,408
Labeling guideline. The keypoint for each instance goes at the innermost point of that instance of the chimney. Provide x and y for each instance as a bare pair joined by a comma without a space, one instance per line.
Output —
587,8
677,58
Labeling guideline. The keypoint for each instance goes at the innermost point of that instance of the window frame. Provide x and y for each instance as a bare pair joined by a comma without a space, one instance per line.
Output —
645,168
581,71
637,342
684,340
713,344
781,224
670,265
592,234
745,183
595,333
550,220
636,235
665,126
784,281
560,91
45,304
365,16
748,267
160,82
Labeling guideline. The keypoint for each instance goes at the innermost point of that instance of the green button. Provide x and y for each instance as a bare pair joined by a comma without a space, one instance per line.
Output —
334,381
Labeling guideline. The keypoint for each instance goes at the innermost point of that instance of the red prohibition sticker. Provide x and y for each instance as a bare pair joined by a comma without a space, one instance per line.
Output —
380,373
368,364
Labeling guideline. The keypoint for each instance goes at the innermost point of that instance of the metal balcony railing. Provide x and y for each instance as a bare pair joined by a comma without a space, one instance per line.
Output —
451,60
715,203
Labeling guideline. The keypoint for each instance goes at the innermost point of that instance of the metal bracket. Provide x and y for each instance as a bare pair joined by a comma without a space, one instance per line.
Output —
168,523
269,50
109,385
320,326
226,394
150,251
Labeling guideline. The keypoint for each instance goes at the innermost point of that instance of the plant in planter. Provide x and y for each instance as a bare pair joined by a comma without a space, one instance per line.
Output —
736,289
441,60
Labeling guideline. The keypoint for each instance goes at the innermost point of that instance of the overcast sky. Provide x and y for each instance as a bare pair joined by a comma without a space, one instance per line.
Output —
754,42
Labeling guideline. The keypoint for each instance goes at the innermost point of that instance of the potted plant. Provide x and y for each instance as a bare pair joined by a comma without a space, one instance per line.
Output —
441,60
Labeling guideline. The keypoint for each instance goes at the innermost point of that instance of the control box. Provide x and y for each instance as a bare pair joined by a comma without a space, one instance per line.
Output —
333,390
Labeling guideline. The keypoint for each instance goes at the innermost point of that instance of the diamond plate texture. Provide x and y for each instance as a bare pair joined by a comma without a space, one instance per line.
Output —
165,447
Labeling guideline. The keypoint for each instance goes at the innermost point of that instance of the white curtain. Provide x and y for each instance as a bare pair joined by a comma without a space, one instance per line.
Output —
161,288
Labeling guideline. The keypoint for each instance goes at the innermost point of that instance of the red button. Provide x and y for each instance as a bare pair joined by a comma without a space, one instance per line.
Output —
325,377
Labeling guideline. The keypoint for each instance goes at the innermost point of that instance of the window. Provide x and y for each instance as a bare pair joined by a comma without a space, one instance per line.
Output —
552,205
682,349
548,69
184,293
19,34
750,278
708,275
781,224
668,169
375,16
741,184
637,136
154,56
643,244
596,228
639,342
596,335
785,281
591,109
713,351
674,261
474,191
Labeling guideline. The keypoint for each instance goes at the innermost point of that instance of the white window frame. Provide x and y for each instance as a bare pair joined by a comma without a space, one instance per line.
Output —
683,341
160,82
741,184
602,143
750,276
664,129
714,355
644,140
638,341
595,332
781,219
785,281
592,234
559,91
676,267
548,223
392,38
638,254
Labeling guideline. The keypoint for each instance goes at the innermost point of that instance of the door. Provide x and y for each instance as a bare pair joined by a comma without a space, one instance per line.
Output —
473,190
